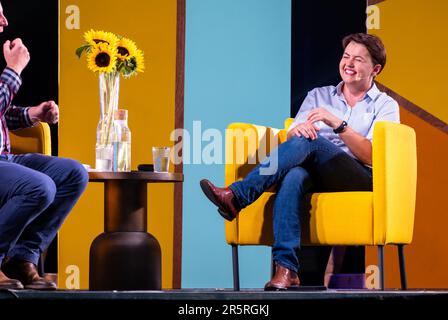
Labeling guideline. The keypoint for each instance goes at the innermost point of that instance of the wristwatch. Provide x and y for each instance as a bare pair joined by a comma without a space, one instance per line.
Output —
341,128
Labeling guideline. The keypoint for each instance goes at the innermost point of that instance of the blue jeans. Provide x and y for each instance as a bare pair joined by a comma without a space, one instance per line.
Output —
36,194
304,166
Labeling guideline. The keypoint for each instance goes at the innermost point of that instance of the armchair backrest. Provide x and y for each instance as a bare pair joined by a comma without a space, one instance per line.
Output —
288,122
394,157
35,139
246,145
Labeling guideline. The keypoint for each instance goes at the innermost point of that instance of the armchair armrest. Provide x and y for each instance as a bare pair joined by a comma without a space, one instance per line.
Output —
36,139
394,182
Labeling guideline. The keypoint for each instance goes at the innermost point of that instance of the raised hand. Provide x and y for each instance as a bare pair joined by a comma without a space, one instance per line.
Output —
47,111
16,55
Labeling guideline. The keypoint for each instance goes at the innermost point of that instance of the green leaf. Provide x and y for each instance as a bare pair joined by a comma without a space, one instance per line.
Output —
120,65
81,49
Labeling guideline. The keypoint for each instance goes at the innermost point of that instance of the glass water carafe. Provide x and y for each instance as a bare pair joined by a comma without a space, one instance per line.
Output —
121,142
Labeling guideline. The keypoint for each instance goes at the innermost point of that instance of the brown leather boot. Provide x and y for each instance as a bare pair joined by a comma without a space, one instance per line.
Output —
7,283
27,273
223,198
282,279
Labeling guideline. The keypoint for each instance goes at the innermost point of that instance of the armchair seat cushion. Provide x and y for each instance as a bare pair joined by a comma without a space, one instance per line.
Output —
336,218
339,218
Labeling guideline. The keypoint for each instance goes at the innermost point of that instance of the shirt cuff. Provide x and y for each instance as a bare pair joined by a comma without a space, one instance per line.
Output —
28,121
12,79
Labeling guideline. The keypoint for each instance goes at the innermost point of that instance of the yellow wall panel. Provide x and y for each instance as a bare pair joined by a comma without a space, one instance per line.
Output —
414,33
149,97
426,258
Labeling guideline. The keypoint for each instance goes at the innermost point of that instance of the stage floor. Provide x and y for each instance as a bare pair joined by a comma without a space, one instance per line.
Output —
222,294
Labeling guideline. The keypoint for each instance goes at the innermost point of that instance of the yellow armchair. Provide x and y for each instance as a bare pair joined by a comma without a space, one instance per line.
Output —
383,216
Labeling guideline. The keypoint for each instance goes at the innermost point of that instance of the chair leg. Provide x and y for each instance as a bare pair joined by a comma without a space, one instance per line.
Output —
404,283
236,273
381,265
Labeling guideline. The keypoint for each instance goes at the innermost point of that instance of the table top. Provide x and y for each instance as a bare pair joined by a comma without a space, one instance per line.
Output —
96,176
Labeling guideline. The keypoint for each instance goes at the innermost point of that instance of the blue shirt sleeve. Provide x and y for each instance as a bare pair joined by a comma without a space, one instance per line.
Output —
308,104
389,111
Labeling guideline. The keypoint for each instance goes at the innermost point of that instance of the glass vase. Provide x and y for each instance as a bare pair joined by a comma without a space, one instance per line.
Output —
109,94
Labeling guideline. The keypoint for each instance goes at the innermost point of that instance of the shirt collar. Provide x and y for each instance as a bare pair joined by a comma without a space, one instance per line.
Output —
338,89
372,93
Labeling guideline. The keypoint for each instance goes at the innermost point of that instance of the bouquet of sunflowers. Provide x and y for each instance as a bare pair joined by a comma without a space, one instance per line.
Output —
110,56
107,52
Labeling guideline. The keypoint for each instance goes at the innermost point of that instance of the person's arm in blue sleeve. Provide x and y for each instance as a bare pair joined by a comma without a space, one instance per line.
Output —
300,125
361,146
389,111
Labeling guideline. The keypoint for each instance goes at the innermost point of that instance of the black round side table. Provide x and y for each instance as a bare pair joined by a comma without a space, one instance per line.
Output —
126,256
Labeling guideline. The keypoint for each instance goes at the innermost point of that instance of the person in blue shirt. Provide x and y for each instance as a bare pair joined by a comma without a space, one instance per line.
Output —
328,149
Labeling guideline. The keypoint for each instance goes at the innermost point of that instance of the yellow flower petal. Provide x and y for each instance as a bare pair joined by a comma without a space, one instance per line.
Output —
140,61
96,37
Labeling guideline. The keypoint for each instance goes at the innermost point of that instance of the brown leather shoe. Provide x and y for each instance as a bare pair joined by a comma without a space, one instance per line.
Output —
223,198
7,283
283,279
26,272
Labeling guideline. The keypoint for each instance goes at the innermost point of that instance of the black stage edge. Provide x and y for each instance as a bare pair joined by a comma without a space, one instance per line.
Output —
227,304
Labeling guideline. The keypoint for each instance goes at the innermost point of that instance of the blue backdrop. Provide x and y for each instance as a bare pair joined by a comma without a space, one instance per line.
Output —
237,69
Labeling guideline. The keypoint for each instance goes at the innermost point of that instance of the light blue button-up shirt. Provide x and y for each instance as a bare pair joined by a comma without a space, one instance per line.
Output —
375,106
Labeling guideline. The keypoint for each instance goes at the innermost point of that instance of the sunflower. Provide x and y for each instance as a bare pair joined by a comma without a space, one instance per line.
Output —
96,37
139,61
132,65
126,49
102,58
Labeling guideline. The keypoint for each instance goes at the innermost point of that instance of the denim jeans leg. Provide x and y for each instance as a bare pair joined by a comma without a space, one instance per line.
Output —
323,161
286,219
287,155
70,179
292,153
24,194
340,172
